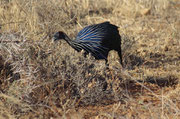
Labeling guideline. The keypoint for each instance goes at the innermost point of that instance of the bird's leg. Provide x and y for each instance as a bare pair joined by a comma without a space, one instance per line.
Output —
107,64
85,55
110,70
120,56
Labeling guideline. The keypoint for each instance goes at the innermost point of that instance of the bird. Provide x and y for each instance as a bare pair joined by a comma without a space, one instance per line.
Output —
96,39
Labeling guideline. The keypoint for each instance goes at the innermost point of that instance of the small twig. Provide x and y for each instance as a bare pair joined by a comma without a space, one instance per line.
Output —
13,22
10,41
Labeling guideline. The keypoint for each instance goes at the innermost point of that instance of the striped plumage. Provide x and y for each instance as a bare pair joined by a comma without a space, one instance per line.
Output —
96,39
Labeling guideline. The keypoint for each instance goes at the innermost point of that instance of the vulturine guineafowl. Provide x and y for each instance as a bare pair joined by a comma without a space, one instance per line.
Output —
97,39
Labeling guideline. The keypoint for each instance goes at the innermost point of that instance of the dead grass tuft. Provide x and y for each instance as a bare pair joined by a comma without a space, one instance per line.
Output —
43,80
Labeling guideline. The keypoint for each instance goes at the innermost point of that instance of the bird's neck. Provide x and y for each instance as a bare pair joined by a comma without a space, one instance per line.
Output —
67,39
71,42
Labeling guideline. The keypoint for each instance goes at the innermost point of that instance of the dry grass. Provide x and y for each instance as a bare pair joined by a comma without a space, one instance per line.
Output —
43,80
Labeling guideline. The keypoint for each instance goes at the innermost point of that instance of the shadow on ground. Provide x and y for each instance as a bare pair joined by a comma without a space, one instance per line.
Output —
151,83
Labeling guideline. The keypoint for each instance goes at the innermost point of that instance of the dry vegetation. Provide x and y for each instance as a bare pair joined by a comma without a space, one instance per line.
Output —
39,79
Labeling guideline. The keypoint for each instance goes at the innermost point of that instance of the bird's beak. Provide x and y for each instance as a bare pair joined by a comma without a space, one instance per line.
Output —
53,40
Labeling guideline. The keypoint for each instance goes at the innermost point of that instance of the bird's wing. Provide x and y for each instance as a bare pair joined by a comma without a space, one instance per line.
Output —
91,37
93,33
99,51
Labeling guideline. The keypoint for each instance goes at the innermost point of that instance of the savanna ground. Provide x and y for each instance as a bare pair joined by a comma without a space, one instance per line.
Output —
39,79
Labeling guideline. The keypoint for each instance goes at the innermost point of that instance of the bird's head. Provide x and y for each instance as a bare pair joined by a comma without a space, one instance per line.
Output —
58,36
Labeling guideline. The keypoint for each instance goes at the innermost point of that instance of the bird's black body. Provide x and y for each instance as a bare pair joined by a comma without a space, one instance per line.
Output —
96,39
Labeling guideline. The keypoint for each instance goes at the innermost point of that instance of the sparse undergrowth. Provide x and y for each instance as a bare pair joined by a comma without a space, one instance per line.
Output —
39,79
